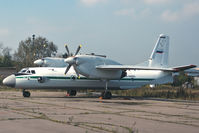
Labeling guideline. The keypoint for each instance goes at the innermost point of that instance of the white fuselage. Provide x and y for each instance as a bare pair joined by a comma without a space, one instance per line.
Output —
54,78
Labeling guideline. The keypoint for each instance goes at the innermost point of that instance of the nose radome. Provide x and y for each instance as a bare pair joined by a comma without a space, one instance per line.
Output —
10,81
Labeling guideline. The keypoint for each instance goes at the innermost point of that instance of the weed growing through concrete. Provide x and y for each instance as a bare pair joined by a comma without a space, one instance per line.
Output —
70,119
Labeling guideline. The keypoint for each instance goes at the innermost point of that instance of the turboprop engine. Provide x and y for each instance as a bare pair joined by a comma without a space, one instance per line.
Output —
86,66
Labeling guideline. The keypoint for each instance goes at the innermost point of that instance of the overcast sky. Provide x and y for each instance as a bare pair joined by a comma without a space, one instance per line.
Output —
124,30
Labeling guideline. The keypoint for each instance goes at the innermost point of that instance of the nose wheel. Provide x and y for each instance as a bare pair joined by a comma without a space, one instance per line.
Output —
26,93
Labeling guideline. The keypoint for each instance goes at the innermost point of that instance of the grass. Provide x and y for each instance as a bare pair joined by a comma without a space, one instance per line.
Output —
5,88
162,91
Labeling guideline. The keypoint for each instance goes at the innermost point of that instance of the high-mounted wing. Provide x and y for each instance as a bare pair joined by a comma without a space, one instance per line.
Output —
130,67
182,68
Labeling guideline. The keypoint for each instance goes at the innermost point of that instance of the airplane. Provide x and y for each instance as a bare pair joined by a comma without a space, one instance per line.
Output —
98,72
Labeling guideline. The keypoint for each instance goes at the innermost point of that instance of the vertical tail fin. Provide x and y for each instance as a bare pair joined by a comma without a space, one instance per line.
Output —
159,56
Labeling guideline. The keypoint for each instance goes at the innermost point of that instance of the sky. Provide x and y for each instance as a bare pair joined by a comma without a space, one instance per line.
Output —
123,30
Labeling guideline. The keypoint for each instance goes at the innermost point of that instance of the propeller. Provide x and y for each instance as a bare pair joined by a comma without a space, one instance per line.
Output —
72,60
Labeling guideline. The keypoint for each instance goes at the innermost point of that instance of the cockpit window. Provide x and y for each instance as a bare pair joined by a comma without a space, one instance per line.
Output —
26,71
23,71
33,71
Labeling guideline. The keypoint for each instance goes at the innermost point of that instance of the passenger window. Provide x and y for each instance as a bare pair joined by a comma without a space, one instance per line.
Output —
33,71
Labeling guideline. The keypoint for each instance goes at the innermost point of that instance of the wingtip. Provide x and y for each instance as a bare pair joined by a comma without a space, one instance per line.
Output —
193,65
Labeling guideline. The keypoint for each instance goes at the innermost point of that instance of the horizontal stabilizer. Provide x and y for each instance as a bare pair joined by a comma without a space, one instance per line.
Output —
130,67
182,68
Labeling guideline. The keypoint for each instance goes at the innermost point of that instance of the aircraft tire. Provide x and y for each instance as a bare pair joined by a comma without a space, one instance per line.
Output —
72,92
106,95
26,94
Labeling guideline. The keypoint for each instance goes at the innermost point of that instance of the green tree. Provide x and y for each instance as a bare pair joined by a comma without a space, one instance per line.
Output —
5,57
29,50
181,79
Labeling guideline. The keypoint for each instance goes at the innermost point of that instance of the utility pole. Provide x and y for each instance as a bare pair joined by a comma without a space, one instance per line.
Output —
33,38
33,46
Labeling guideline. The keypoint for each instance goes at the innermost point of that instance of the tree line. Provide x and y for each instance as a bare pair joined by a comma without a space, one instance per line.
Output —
5,57
27,52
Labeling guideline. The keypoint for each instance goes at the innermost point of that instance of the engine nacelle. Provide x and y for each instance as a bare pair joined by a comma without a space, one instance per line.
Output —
86,65
51,62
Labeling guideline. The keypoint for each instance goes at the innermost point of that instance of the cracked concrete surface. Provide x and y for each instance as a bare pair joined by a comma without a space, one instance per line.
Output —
49,112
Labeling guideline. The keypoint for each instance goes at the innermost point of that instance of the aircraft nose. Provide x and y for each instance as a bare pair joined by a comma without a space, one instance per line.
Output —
10,81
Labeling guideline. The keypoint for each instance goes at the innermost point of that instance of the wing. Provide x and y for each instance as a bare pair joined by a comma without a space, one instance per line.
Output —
182,68
130,67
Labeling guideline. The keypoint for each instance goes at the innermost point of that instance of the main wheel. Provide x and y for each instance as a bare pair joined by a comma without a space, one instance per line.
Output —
26,94
106,95
72,92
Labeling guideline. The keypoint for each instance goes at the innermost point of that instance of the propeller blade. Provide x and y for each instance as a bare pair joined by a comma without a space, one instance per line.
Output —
76,71
78,49
67,49
67,69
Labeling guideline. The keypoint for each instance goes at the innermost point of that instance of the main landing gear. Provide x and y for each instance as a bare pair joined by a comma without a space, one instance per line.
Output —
26,93
106,94
71,93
